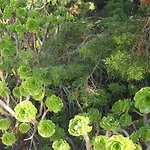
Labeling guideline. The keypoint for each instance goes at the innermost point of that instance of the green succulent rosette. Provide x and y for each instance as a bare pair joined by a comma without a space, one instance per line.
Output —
5,124
144,133
54,103
16,92
110,123
99,142
79,125
125,120
46,128
24,127
60,145
33,85
32,24
118,142
93,114
142,100
24,72
25,111
121,106
8,139
23,91
8,51
39,96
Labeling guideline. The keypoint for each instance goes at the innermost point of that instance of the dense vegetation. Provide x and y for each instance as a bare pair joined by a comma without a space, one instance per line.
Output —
74,75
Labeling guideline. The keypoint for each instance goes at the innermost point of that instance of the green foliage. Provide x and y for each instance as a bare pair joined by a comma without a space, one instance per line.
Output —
24,127
3,86
99,142
94,60
122,64
121,106
94,115
110,123
59,134
5,124
79,125
134,136
95,98
16,92
60,145
24,72
54,103
119,142
115,142
125,120
142,100
144,133
32,25
25,111
46,128
116,88
33,86
8,139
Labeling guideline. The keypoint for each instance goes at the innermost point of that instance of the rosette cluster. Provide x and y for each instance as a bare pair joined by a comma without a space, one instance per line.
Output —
79,125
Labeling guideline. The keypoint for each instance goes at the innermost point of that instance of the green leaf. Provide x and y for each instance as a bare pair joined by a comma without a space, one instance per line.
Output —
99,142
24,127
59,134
3,86
38,97
125,120
33,85
121,106
118,142
25,111
8,139
54,103
110,123
46,128
94,114
144,133
16,92
79,125
5,124
60,145
142,100
32,24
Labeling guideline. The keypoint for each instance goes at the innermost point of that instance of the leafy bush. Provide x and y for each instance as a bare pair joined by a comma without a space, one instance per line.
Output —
73,77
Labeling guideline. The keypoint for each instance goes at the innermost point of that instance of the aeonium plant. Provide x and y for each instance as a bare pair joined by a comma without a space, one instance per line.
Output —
115,142
142,102
79,126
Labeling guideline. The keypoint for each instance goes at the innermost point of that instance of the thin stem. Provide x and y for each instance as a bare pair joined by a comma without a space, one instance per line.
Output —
41,109
6,107
87,141
3,112
145,118
44,114
8,98
125,132
97,128
70,142
148,148
79,105
34,131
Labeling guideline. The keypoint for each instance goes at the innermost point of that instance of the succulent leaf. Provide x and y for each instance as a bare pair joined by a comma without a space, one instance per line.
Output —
46,128
25,111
